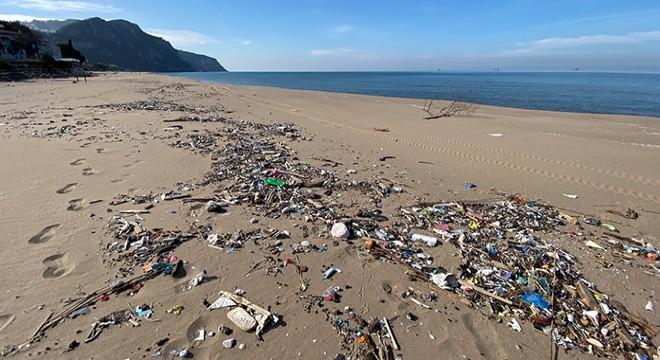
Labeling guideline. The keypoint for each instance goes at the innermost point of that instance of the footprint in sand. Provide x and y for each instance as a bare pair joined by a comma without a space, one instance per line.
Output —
75,205
192,332
101,150
5,320
122,178
45,234
77,162
89,171
68,188
85,145
57,265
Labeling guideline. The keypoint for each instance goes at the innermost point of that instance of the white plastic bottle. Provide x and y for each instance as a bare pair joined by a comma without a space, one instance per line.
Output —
428,240
197,279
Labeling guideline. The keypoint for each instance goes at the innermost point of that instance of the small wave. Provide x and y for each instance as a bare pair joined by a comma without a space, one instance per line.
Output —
648,146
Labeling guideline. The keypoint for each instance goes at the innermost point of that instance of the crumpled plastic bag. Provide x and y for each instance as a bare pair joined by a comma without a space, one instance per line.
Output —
446,281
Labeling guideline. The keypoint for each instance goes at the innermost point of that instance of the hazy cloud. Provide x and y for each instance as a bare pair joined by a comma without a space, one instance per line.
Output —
331,52
343,28
56,5
559,43
339,31
243,41
16,17
182,37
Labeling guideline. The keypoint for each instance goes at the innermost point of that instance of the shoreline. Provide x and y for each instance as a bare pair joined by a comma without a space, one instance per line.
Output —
454,79
120,136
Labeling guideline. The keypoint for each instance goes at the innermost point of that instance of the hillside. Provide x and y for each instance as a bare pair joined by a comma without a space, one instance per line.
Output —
201,62
125,45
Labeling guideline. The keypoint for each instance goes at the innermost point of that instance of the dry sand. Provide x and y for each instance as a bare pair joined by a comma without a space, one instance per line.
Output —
54,228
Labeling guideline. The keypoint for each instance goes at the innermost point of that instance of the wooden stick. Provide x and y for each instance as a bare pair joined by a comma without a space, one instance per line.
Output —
92,297
316,204
484,292
419,303
452,295
243,301
395,182
634,318
42,325
325,160
198,199
625,238
182,196
552,306
395,344
586,295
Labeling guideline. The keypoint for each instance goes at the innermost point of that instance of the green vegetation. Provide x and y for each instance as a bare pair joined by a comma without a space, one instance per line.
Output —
4,64
106,45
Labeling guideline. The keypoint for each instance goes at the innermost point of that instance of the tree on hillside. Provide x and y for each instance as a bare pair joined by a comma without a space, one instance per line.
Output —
68,51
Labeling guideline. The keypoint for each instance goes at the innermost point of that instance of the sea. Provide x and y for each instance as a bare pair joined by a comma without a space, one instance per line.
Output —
573,91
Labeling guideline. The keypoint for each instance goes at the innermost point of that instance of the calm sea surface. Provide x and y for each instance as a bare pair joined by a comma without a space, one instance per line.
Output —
577,91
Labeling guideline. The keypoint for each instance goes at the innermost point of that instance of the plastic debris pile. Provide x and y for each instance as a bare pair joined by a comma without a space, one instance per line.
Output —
511,263
263,171
508,268
508,265
136,246
156,105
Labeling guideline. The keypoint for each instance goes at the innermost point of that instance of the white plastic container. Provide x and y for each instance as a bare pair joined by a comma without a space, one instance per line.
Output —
428,240
242,319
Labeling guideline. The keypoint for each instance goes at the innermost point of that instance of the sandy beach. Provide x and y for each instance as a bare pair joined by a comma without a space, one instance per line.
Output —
71,153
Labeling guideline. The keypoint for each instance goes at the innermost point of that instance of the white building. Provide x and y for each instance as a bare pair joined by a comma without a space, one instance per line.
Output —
6,36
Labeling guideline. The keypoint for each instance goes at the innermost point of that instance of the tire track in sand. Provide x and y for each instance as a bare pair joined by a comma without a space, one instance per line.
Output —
593,169
601,171
517,167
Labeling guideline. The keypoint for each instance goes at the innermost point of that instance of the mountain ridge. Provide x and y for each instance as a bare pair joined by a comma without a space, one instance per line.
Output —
124,45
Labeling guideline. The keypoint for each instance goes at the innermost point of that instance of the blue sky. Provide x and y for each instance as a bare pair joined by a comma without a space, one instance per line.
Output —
613,35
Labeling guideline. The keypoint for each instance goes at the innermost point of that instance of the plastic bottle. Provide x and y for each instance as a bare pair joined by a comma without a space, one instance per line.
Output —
197,279
275,182
328,273
428,240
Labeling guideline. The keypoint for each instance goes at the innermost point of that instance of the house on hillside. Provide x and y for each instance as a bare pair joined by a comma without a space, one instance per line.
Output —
6,37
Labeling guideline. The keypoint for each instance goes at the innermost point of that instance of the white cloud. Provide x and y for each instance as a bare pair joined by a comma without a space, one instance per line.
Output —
182,37
17,17
243,41
57,5
343,29
559,43
340,31
331,52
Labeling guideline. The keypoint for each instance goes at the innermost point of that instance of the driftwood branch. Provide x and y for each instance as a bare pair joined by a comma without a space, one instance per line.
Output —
459,106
